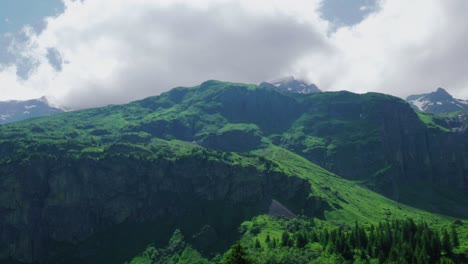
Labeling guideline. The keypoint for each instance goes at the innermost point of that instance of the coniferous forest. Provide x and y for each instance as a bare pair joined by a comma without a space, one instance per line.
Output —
396,241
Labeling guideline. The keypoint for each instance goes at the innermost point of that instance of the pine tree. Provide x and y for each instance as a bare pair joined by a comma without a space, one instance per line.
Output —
324,239
301,240
313,237
436,247
446,243
286,240
257,244
237,255
274,243
455,241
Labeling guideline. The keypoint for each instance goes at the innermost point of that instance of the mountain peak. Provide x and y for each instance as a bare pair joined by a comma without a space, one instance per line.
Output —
290,84
437,102
441,92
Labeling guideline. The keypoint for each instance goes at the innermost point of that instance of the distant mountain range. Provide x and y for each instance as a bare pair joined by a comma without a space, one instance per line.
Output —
11,111
291,85
437,102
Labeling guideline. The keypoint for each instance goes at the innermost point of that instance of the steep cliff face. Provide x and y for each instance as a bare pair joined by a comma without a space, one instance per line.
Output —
46,201
379,139
417,153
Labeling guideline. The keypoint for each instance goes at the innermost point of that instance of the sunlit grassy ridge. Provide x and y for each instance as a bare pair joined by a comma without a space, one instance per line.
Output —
350,201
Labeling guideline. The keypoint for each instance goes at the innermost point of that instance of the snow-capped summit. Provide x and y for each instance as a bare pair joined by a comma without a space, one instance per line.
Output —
291,85
437,102
11,111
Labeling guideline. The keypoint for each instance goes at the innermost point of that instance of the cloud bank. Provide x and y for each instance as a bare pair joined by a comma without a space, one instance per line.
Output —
115,51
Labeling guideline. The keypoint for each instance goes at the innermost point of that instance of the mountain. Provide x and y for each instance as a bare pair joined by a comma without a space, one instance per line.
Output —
12,111
291,85
222,162
437,102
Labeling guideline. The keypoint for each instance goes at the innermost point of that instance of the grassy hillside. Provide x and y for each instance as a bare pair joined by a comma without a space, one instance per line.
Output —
211,159
350,204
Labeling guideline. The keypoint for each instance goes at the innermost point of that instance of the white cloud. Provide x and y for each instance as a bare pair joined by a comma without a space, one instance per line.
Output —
364,8
406,47
121,50
115,51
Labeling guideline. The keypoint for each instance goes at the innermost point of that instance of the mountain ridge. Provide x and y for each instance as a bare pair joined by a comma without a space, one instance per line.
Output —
291,85
81,173
437,102
16,110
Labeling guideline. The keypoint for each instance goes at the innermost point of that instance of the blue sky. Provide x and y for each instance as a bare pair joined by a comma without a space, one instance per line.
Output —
14,14
347,12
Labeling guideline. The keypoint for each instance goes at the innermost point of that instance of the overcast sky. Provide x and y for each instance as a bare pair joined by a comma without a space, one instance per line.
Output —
92,53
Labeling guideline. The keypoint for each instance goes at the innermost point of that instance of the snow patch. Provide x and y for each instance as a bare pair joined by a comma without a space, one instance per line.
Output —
439,103
420,103
29,106
4,117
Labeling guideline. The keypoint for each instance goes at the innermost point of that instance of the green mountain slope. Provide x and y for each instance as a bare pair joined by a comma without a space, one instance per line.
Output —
373,138
83,184
348,204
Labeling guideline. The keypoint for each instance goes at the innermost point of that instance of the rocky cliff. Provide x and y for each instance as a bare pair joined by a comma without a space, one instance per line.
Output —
379,139
50,200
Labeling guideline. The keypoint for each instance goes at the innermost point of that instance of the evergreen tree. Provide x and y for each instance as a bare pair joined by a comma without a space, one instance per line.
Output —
446,243
257,244
455,240
313,237
286,240
301,240
237,255
274,243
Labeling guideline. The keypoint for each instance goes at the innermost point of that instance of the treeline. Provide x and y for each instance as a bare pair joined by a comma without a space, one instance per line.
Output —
398,241
395,242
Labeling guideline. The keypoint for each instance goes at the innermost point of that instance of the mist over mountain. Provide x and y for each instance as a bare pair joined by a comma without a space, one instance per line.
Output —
11,111
291,85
